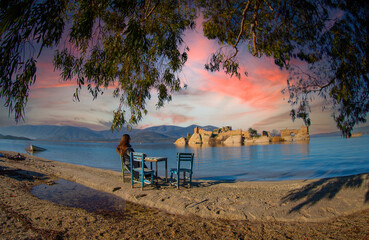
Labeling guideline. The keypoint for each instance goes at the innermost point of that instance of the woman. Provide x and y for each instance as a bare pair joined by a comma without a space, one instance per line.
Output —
124,149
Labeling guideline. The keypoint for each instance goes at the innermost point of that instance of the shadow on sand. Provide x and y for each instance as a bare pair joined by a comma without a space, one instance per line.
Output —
22,175
326,188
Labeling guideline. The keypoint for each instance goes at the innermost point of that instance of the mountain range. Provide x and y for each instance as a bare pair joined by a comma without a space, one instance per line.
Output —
163,133
159,134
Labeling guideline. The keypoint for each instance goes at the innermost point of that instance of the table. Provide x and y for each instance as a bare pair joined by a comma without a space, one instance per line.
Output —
156,160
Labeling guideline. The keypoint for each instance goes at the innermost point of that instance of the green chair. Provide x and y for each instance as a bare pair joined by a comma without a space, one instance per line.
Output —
138,167
184,165
124,167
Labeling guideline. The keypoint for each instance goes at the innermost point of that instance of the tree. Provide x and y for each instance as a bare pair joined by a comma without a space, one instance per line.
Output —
328,38
340,76
137,47
275,133
253,132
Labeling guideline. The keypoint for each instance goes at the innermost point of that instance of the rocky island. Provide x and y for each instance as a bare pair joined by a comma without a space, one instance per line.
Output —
227,136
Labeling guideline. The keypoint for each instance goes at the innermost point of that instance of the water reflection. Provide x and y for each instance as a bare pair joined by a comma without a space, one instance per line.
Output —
304,148
72,194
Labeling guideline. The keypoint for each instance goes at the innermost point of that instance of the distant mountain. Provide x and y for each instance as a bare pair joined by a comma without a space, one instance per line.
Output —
108,134
50,132
164,133
13,138
147,136
331,134
364,130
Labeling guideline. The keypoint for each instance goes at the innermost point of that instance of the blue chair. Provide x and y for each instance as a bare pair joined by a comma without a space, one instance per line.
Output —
138,167
183,159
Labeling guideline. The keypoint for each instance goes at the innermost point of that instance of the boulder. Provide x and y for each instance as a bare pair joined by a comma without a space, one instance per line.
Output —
262,139
180,141
287,138
301,137
195,139
277,139
205,138
249,141
236,139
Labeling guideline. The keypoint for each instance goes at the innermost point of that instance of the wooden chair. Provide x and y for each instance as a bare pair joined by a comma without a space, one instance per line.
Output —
124,168
183,159
138,165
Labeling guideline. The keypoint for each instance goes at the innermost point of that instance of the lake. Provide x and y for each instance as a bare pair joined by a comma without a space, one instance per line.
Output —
321,157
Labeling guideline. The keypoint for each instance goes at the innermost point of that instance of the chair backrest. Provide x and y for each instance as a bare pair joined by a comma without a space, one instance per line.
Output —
137,157
185,157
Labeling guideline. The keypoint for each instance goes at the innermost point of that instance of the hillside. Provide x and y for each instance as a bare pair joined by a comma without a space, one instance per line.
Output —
13,138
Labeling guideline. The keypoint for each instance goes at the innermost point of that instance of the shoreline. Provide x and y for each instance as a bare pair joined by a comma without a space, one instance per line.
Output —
288,201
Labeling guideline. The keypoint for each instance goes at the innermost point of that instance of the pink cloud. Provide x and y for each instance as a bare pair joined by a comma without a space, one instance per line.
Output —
274,120
55,120
260,89
200,48
271,76
174,118
47,77
145,126
261,92
55,85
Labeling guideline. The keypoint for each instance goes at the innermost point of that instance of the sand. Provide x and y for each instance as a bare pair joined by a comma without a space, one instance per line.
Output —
336,207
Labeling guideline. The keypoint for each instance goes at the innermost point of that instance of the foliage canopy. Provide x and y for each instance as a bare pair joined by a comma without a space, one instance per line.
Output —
322,43
137,47
134,46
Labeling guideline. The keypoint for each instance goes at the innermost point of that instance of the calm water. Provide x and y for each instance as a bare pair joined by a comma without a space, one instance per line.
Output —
321,157
72,194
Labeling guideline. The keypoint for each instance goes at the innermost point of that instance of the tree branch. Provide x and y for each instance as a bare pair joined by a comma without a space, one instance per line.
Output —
253,25
151,11
269,6
241,29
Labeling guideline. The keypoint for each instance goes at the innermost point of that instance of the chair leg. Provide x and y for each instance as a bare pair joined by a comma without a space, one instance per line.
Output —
131,179
178,179
142,181
123,175
190,179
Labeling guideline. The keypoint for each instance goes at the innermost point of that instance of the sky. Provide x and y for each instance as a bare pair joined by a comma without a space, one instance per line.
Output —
214,99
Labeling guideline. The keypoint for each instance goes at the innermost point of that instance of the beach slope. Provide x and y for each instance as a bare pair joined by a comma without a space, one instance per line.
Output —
298,201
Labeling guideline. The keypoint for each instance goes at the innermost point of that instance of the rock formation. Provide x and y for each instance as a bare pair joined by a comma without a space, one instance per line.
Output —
195,139
181,141
290,135
262,140
227,136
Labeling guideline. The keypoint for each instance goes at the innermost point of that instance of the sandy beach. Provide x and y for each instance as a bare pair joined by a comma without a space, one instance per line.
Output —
335,208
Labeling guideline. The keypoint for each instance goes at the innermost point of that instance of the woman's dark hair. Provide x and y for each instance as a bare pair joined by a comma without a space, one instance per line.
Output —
124,144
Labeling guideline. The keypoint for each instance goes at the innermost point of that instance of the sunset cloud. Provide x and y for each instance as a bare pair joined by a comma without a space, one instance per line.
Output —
47,77
260,89
263,95
173,118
